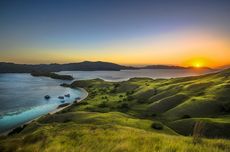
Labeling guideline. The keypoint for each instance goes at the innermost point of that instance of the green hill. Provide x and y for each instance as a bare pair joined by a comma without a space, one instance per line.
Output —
140,114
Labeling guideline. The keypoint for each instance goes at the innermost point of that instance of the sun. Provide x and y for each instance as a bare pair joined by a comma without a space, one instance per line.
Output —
197,64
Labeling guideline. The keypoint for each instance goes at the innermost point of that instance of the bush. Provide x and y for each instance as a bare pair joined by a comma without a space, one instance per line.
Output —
103,90
116,85
67,120
113,90
103,104
225,107
83,103
129,98
185,117
154,115
141,101
124,106
129,93
157,126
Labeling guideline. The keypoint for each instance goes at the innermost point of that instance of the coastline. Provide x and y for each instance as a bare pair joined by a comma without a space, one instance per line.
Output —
83,97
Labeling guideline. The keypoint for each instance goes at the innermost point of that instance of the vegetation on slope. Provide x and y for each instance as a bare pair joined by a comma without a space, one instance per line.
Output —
167,100
141,114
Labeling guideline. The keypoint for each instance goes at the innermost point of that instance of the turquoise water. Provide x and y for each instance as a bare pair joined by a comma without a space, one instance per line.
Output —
22,98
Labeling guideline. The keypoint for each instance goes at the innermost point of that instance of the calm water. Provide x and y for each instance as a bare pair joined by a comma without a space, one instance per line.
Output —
127,74
22,96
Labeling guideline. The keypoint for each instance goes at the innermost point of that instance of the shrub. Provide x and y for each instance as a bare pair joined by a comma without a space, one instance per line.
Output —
94,92
123,106
185,117
129,98
83,103
104,97
116,85
67,120
154,115
113,90
129,93
102,90
103,104
225,107
141,101
157,126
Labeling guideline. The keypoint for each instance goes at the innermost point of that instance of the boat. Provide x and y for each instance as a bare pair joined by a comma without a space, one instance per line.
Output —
47,97
62,101
67,95
60,97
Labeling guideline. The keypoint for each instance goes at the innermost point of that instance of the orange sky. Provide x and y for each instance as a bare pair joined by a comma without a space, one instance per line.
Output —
184,48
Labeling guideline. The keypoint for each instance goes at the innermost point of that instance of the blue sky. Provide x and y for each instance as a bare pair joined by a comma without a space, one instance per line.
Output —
96,30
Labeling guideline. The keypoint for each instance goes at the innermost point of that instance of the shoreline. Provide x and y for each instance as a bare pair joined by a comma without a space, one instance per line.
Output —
83,97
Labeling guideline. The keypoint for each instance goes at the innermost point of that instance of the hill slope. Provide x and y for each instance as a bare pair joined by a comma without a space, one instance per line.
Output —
141,114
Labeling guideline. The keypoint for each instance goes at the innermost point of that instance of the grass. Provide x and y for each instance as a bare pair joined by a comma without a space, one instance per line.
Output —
98,138
214,127
96,118
140,114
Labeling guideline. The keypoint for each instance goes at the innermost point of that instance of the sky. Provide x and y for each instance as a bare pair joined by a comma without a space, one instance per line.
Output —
129,32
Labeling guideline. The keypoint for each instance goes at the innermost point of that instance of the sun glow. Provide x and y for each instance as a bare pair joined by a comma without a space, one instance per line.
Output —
198,64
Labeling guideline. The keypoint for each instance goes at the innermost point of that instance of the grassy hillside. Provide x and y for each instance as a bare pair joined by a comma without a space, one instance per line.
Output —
141,114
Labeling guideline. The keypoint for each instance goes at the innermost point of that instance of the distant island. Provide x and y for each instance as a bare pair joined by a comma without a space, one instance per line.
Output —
81,66
52,75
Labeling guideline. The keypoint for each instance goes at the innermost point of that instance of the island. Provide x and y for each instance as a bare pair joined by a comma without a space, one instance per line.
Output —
52,75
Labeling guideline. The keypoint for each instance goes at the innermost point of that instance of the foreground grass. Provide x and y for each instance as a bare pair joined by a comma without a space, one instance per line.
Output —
70,136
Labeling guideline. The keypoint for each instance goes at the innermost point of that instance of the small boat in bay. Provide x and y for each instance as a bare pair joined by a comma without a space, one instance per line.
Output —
67,95
47,97
60,97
